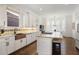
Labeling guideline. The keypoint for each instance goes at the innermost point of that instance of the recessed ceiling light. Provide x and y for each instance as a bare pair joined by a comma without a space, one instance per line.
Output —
41,9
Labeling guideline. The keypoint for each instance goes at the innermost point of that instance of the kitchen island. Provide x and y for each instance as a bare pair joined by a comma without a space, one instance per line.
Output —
44,43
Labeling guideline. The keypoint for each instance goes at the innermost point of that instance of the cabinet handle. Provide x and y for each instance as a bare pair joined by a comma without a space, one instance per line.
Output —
4,23
26,41
21,41
7,43
6,39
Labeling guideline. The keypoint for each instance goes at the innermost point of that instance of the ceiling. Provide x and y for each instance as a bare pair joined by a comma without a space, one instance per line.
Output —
50,8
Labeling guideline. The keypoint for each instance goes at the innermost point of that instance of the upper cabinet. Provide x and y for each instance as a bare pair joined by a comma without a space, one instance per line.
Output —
13,16
33,20
29,20
3,17
25,19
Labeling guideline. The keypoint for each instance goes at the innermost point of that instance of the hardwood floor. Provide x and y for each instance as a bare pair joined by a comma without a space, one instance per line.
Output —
32,49
70,46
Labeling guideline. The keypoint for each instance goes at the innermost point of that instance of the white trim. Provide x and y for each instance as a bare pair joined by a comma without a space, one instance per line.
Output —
13,12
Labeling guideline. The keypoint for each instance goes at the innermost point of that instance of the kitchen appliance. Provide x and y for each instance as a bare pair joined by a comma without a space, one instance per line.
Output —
41,27
56,48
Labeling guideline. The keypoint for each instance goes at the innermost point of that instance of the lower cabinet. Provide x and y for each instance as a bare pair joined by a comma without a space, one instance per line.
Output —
20,43
44,46
10,44
31,38
28,36
7,45
3,47
23,42
17,44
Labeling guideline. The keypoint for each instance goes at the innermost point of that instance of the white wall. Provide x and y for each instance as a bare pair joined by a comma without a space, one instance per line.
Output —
68,31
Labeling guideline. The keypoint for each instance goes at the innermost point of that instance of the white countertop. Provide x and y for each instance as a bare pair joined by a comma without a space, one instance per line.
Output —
54,35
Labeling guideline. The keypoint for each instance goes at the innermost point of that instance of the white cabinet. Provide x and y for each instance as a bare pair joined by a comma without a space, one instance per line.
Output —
3,18
77,43
25,20
17,44
34,21
31,38
44,46
10,44
20,43
28,36
23,42
3,47
7,45
33,35
31,19
0,47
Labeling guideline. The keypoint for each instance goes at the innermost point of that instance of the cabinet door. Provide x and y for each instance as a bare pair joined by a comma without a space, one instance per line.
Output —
29,20
3,16
17,44
23,43
0,47
25,20
44,46
33,21
11,44
3,48
28,36
33,37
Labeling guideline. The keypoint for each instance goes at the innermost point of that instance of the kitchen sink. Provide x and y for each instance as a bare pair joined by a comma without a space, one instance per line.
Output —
56,39
20,36
47,33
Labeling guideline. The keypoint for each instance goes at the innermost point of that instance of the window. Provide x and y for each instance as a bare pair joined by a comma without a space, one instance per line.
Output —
12,19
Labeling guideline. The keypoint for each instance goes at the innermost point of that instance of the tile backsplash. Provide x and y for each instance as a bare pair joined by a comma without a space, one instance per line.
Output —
10,31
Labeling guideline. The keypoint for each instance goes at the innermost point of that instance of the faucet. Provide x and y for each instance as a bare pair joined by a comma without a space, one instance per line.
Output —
15,31
2,31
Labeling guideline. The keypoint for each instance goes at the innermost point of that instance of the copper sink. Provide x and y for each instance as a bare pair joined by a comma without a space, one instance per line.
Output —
20,36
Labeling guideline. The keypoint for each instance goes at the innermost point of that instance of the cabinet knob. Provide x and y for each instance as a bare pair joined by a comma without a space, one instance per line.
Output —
6,39
7,43
21,41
